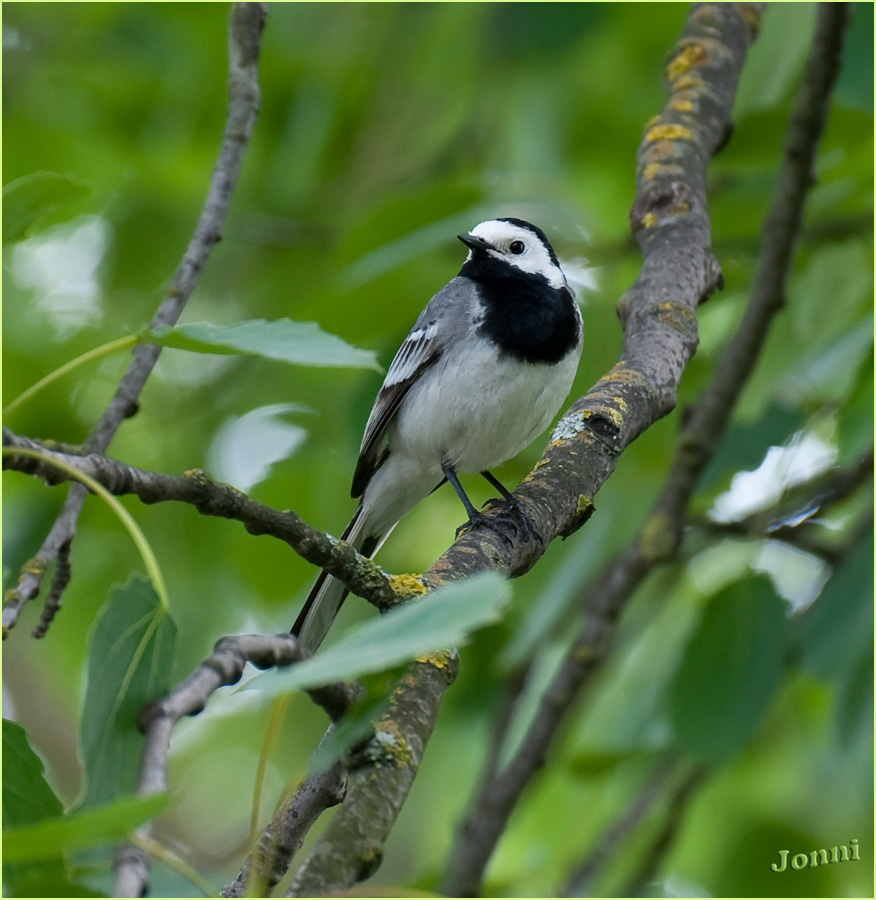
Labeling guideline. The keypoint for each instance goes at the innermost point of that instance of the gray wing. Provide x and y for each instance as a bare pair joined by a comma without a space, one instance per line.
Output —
421,349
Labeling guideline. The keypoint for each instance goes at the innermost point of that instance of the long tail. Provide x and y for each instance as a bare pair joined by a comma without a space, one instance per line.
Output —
328,593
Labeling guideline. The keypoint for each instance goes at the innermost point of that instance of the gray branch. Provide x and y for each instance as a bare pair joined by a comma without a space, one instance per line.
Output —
210,498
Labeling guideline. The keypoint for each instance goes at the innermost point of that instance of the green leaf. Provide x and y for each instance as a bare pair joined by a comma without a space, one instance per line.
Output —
27,799
298,343
96,827
441,619
729,671
130,656
28,198
836,632
27,796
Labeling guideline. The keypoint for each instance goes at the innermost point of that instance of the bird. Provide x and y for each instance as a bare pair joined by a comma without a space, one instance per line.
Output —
481,374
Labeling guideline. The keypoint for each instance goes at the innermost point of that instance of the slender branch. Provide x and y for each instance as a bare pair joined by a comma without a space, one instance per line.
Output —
211,498
246,23
613,838
264,868
660,535
661,843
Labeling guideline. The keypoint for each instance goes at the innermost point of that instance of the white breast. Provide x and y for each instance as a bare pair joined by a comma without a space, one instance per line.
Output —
476,408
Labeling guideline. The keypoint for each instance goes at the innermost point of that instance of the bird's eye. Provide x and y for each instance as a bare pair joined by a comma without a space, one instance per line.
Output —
517,247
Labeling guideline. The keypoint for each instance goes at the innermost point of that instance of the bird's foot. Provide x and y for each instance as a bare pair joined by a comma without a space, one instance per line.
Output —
508,513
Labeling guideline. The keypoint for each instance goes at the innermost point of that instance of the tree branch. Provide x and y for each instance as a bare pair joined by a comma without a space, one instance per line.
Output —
212,498
246,23
659,538
351,847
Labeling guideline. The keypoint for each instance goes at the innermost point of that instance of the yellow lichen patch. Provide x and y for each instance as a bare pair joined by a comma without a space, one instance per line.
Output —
751,15
388,745
649,220
613,415
34,566
583,653
621,404
439,659
668,132
653,170
681,105
582,504
688,57
658,152
689,82
656,537
407,586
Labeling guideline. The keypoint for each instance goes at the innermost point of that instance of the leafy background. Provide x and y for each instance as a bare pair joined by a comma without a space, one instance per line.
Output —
385,130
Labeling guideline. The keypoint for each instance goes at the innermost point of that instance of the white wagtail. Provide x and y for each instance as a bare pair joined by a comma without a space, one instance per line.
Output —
480,375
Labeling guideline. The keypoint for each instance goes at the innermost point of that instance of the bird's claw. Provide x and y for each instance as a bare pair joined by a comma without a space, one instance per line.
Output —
508,512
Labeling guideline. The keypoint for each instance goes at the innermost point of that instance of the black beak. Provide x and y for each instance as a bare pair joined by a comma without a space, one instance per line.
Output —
475,243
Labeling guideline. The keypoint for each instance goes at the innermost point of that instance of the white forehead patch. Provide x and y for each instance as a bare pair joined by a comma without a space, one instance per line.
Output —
535,258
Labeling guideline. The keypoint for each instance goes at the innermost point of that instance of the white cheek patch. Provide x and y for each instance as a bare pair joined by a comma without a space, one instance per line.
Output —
535,260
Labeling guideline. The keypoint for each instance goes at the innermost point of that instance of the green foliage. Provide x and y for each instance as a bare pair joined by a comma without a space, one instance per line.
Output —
730,670
301,343
384,130
101,826
27,799
130,662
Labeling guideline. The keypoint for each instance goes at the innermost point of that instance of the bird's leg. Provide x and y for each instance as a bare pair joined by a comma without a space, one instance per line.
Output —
474,517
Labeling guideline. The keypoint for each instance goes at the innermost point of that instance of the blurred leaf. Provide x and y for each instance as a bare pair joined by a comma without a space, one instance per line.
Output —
28,198
776,59
854,706
745,444
130,656
837,630
856,422
441,619
27,799
828,372
854,87
298,343
729,671
95,827
27,796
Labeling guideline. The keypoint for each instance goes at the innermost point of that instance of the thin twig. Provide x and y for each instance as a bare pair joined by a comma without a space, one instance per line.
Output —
246,23
661,843
659,538
613,838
